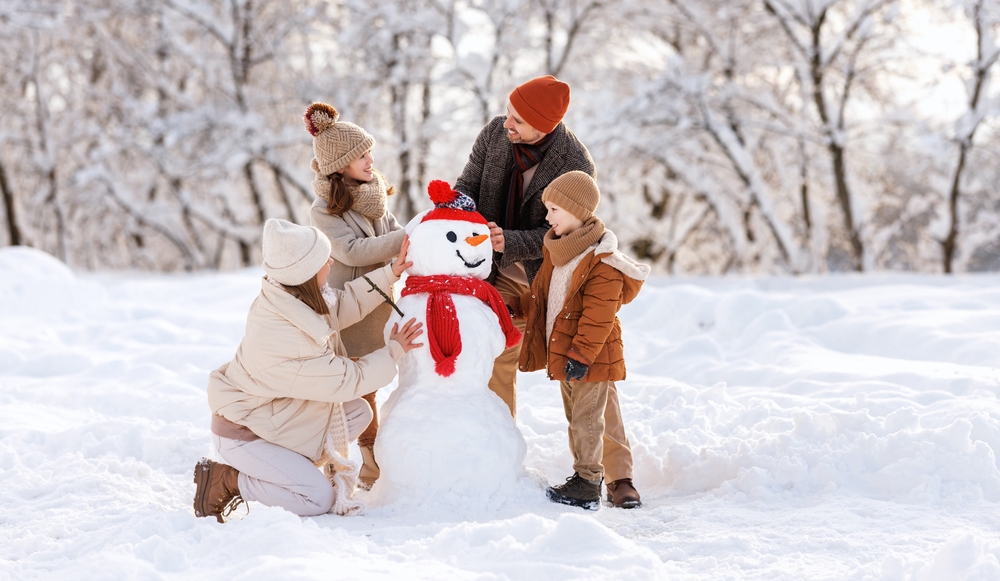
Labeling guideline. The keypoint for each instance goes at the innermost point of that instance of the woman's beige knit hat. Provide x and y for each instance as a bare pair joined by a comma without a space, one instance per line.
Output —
293,254
576,192
335,144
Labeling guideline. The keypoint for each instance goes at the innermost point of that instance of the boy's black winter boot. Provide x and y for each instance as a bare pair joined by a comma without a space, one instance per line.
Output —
577,491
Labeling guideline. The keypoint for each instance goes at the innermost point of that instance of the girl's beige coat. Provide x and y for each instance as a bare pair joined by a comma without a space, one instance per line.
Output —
359,247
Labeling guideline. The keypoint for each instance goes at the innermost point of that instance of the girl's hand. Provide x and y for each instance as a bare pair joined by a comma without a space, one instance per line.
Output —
496,236
405,336
400,263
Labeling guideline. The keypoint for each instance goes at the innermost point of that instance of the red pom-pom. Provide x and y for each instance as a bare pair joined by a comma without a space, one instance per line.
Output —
440,192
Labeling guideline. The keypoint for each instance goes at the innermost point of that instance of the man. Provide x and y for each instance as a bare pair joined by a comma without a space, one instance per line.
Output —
513,159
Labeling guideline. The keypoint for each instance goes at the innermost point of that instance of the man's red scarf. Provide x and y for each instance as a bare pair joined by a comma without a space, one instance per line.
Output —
442,322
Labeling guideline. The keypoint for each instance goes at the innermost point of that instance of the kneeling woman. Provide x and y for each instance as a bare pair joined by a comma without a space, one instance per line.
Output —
290,401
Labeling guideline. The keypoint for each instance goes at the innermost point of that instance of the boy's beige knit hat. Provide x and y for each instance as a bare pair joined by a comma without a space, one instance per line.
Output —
293,254
335,144
576,192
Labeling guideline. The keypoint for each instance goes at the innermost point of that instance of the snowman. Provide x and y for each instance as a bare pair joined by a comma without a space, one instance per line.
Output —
444,435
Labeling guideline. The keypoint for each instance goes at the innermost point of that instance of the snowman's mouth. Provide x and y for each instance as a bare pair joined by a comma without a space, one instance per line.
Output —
467,263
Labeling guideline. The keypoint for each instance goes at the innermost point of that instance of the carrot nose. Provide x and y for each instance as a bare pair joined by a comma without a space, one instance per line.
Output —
477,240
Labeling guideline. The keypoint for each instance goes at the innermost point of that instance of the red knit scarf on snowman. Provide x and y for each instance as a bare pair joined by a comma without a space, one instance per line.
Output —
442,322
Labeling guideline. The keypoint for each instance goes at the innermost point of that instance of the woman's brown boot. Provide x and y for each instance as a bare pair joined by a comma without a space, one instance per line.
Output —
217,493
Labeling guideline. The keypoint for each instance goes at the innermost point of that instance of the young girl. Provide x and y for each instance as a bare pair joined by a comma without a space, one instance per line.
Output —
291,400
350,208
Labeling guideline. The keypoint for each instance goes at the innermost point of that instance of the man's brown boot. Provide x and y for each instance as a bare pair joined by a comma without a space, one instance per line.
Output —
217,491
369,468
622,494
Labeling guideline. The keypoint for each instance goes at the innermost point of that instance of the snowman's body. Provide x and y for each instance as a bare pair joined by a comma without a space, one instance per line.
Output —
482,341
444,435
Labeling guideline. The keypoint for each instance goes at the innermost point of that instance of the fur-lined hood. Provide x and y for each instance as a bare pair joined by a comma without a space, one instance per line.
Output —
608,253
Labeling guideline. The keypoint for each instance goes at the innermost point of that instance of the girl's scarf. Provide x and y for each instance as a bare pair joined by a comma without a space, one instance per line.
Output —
369,197
443,334
562,249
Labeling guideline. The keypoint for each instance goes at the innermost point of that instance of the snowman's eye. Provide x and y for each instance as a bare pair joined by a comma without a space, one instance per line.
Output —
451,237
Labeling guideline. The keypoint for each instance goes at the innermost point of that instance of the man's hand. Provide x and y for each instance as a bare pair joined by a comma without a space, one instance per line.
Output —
575,370
496,236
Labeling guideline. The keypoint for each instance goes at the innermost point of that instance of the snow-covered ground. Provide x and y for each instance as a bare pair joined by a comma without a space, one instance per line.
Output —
844,427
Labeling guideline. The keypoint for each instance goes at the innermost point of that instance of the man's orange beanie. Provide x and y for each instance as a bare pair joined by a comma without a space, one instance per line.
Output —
542,102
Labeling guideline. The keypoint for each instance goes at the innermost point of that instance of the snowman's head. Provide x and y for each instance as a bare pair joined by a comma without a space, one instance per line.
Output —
452,238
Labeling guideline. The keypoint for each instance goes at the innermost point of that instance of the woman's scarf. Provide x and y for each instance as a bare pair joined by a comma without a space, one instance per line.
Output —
338,466
443,334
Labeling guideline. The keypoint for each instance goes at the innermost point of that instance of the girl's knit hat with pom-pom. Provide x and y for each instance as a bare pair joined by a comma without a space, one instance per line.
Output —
335,143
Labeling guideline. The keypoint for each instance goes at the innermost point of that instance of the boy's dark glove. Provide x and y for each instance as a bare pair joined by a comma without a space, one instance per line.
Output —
575,370
511,311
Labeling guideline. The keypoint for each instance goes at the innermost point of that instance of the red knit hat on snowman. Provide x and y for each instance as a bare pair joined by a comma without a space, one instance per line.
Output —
451,205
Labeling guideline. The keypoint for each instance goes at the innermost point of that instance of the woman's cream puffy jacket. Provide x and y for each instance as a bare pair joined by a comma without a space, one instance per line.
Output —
291,366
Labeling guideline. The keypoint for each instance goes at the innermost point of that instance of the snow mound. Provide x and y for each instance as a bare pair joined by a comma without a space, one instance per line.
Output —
36,284
812,428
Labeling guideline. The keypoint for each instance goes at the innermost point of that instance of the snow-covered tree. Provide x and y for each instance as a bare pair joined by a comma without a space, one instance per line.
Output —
786,136
983,17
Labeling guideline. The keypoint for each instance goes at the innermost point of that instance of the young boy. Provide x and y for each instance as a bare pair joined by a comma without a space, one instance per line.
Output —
573,331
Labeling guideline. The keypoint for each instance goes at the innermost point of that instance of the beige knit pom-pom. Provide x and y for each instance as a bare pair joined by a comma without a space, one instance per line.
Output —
319,117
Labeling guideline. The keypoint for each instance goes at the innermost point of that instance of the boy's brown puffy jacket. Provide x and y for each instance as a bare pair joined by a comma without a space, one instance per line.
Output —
587,327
